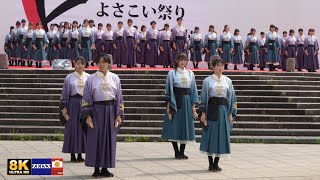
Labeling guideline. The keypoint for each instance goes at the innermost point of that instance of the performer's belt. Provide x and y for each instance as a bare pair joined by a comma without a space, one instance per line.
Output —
39,43
84,42
166,40
98,39
310,45
225,42
253,44
108,40
262,46
129,37
236,44
64,41
153,40
119,38
197,45
271,44
106,103
143,41
179,93
212,41
180,38
292,45
28,41
213,107
300,45
78,96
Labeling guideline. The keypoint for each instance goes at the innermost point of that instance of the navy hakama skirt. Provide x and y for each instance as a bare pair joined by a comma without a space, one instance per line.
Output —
141,56
130,53
74,137
300,57
165,56
152,54
118,54
311,60
101,140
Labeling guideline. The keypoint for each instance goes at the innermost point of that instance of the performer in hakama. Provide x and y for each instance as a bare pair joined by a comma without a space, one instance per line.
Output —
142,46
19,46
8,46
103,109
196,47
14,41
129,36
179,39
238,49
118,45
300,50
27,45
226,46
218,110
51,35
74,42
210,44
70,105
108,41
86,44
253,43
152,45
165,56
58,43
98,41
272,47
64,41
291,45
39,44
283,55
262,51
181,98
311,62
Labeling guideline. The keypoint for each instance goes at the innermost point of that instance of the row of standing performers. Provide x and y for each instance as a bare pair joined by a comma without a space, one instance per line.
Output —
268,49
127,46
97,99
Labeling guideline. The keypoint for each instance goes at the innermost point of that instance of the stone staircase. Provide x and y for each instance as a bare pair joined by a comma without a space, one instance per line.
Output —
272,107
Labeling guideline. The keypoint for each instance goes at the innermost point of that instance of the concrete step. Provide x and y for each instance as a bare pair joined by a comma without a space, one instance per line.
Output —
159,123
161,110
36,103
157,130
300,93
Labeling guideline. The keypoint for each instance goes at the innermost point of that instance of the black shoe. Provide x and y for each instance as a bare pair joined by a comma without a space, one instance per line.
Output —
92,64
284,70
178,156
96,174
80,159
211,168
262,69
73,158
299,70
87,65
129,66
184,156
217,168
106,173
135,66
309,70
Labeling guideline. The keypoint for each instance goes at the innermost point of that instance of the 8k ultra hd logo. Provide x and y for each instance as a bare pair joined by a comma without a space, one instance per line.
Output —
45,166
35,10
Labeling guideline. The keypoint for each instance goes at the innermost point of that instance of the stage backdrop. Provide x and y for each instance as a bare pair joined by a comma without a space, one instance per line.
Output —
244,14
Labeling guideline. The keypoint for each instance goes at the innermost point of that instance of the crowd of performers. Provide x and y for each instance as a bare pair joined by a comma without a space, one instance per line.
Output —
93,108
149,46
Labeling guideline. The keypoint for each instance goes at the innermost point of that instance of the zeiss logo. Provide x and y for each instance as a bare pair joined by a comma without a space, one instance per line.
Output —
36,12
41,166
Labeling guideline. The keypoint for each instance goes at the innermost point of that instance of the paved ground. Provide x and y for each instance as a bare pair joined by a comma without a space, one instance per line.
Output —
155,161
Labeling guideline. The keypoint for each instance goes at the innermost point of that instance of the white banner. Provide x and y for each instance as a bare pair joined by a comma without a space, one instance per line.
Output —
243,15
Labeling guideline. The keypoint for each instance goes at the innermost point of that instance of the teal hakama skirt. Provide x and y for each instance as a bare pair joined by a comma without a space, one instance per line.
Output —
181,128
216,140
